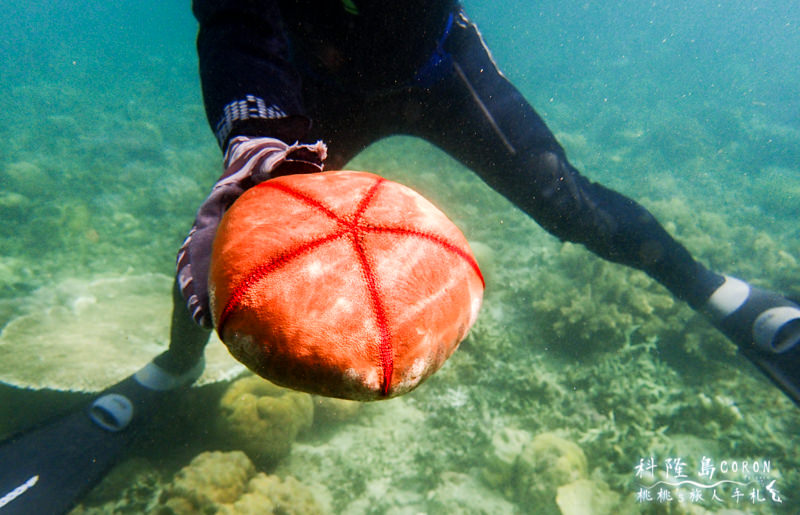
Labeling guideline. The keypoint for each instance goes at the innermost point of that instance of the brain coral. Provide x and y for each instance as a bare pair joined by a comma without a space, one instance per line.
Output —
262,419
546,463
227,483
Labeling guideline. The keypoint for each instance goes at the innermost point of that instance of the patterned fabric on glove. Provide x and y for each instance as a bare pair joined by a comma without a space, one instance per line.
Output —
248,161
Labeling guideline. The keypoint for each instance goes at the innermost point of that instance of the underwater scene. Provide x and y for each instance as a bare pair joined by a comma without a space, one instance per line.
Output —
583,388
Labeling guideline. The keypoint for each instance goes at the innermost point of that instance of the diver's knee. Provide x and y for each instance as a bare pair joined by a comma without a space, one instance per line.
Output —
549,165
556,179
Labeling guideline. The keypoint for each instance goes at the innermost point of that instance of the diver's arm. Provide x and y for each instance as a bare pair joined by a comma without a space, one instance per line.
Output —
253,103
250,87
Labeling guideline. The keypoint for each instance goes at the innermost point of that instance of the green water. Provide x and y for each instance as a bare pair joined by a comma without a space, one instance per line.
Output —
691,108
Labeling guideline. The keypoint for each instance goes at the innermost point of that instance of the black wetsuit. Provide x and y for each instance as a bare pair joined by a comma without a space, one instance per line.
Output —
363,70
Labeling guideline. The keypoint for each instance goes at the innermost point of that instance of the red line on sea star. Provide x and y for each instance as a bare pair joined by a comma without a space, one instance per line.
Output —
451,247
378,309
258,273
311,201
385,339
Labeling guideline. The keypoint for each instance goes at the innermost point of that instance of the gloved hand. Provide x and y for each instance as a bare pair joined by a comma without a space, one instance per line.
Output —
248,161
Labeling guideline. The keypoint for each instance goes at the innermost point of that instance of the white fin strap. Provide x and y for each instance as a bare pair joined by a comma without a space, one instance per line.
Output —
153,377
729,297
767,325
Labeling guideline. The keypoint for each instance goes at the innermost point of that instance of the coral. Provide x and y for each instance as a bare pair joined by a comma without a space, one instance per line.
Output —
15,275
211,477
271,494
25,178
262,419
781,201
634,396
87,334
506,445
463,494
132,486
676,146
331,411
372,449
587,497
396,458
13,204
546,463
590,305
763,258
227,483
710,415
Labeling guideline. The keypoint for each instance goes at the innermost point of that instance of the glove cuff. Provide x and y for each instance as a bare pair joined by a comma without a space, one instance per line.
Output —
262,158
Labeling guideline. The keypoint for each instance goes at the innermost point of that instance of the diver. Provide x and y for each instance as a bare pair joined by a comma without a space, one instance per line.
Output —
279,75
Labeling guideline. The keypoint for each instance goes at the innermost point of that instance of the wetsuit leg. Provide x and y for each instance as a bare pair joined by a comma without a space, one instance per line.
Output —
476,115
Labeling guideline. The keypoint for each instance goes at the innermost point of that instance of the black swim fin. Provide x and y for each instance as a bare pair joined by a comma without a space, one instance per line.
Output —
764,325
783,369
49,468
